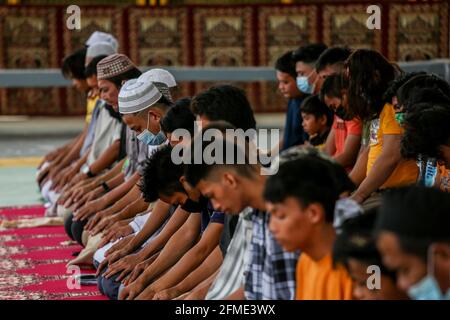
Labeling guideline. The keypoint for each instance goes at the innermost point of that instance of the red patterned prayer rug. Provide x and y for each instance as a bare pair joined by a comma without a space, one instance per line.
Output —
33,262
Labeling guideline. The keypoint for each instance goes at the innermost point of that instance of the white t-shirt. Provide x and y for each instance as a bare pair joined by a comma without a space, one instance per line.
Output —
107,131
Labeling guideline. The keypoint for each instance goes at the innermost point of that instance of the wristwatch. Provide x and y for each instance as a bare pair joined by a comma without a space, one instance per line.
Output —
105,186
87,171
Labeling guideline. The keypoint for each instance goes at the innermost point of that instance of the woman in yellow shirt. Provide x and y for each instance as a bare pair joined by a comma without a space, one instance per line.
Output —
380,165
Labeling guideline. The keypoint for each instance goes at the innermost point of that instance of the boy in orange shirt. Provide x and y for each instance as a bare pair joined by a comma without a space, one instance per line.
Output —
301,198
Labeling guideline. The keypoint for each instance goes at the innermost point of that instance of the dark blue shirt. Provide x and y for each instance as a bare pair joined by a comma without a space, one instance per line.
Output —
293,130
209,215
206,209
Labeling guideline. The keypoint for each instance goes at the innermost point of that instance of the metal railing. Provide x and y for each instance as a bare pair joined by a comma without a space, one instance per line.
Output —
42,78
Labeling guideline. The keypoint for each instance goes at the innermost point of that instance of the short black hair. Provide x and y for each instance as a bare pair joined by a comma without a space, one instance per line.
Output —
356,240
234,155
309,179
397,83
127,75
161,175
332,56
225,102
73,65
313,105
286,64
308,53
417,215
179,116
426,128
91,69
404,93
332,87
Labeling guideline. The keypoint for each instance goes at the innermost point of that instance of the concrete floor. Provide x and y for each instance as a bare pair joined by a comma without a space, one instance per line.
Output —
25,137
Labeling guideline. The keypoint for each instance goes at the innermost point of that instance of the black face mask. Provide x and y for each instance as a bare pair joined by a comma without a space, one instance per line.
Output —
341,113
193,206
113,113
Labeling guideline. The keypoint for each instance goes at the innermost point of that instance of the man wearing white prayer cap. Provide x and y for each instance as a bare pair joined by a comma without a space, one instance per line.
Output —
99,36
159,75
143,104
98,49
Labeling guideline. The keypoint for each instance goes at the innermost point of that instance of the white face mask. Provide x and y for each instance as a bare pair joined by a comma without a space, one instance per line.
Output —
428,288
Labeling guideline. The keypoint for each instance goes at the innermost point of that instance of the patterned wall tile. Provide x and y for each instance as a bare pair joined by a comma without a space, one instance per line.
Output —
159,37
418,32
282,29
223,37
346,25
245,35
107,19
28,39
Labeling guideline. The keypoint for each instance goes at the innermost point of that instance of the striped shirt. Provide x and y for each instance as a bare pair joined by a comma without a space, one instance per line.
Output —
231,273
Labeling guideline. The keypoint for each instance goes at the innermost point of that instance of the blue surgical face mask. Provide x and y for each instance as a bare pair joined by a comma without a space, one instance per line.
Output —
428,288
149,138
303,84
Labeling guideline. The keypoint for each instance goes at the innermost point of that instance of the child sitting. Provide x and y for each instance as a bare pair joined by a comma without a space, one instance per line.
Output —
316,120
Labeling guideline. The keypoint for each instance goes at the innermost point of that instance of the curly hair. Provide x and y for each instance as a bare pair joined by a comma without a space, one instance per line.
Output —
397,83
431,81
161,175
426,128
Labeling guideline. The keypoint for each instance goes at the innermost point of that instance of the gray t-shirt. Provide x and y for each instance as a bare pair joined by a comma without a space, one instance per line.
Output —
107,131
132,150
137,153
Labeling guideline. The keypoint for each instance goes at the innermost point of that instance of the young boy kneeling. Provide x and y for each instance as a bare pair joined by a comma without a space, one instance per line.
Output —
301,198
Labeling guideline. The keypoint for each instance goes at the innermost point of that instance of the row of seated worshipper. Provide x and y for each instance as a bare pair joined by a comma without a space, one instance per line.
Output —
359,179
